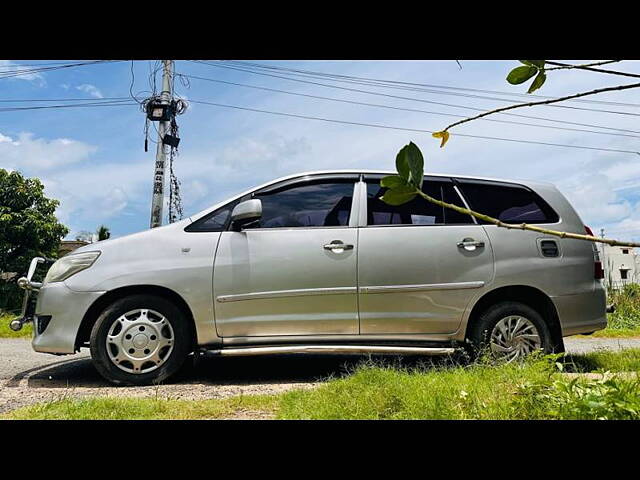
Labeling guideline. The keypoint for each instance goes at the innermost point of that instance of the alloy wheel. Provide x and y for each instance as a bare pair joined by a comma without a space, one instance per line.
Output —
514,337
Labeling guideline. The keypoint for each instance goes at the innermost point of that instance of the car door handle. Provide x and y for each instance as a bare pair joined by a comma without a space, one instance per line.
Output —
470,244
336,246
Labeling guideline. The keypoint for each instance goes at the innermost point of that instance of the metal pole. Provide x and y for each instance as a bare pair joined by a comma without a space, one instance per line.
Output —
157,202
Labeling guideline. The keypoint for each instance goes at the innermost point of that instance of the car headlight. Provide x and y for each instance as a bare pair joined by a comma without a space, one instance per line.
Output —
70,265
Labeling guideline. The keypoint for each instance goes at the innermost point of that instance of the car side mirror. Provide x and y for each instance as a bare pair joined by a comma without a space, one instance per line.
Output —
246,213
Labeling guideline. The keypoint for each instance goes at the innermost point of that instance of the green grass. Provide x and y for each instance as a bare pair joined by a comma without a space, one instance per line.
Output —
627,360
6,332
110,408
616,333
536,389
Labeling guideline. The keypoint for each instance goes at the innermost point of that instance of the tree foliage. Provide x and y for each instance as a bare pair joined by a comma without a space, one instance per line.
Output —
103,233
28,227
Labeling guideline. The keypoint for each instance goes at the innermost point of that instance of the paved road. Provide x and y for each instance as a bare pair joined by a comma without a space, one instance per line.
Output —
27,377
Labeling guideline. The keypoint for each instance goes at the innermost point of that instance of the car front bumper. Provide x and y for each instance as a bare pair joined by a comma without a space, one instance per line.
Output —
66,308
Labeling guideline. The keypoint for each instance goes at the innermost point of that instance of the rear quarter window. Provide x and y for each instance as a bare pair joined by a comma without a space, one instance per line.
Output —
510,203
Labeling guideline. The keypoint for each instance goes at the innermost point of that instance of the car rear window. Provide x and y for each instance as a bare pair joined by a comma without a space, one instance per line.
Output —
508,203
418,211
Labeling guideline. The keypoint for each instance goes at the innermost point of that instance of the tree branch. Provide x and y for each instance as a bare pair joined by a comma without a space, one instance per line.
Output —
564,66
525,226
544,102
589,67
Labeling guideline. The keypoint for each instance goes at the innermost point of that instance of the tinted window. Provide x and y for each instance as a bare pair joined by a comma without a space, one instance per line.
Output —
214,222
318,204
418,211
508,203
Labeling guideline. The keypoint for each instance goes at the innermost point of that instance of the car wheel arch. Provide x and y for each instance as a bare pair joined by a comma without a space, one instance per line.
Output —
102,302
528,295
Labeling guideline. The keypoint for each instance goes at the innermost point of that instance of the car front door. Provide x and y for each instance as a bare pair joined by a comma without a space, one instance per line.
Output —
294,272
419,264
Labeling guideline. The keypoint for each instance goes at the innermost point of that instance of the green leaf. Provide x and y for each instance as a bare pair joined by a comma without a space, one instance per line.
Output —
416,165
393,181
537,82
521,74
533,63
410,165
402,165
395,197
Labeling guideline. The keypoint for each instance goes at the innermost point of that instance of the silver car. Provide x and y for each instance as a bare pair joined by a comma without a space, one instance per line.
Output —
316,262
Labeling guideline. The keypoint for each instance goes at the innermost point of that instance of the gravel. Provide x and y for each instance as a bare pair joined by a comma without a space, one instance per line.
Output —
28,377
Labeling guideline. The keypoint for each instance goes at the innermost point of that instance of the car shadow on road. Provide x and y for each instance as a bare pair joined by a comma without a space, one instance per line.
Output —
215,370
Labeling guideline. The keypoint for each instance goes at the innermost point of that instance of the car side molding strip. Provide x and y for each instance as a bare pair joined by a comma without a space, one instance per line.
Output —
286,293
418,288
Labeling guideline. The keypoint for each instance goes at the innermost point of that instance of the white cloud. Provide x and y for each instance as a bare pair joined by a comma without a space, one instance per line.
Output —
90,89
8,66
36,154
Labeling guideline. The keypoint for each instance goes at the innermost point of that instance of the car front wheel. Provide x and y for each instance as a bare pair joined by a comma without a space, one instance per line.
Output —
140,340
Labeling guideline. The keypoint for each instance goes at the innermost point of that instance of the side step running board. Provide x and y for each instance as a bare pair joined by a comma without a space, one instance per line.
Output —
329,349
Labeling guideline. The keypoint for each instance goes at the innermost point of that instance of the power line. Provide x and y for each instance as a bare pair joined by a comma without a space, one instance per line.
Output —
38,100
353,102
397,82
369,92
20,64
429,91
344,122
75,105
30,71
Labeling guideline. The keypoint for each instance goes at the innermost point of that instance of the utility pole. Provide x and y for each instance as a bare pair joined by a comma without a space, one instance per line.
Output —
157,202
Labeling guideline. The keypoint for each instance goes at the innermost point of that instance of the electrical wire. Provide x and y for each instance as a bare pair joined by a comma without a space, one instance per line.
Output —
382,82
75,105
344,122
40,100
353,102
369,92
30,71
20,64
420,90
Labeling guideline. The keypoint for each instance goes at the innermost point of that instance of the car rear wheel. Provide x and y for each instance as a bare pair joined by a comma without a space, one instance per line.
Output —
510,331
140,340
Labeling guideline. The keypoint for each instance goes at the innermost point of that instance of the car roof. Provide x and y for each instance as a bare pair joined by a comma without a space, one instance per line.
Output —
391,172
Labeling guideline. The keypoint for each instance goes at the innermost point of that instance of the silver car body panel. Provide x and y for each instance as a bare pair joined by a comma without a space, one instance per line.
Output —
424,285
66,308
398,283
283,282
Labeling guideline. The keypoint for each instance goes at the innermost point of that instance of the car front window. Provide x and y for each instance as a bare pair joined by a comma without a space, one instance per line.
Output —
317,204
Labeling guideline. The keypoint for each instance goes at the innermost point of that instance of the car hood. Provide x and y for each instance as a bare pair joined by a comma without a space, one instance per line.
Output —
144,235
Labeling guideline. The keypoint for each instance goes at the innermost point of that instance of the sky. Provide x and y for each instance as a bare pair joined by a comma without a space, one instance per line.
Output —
93,159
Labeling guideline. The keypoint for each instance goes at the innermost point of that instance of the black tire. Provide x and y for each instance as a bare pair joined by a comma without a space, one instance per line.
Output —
182,343
480,332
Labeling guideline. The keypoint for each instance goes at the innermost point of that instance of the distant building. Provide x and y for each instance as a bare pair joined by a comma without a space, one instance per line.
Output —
621,265
67,246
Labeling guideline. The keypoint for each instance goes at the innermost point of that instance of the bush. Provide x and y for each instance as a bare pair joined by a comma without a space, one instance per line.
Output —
608,398
627,302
